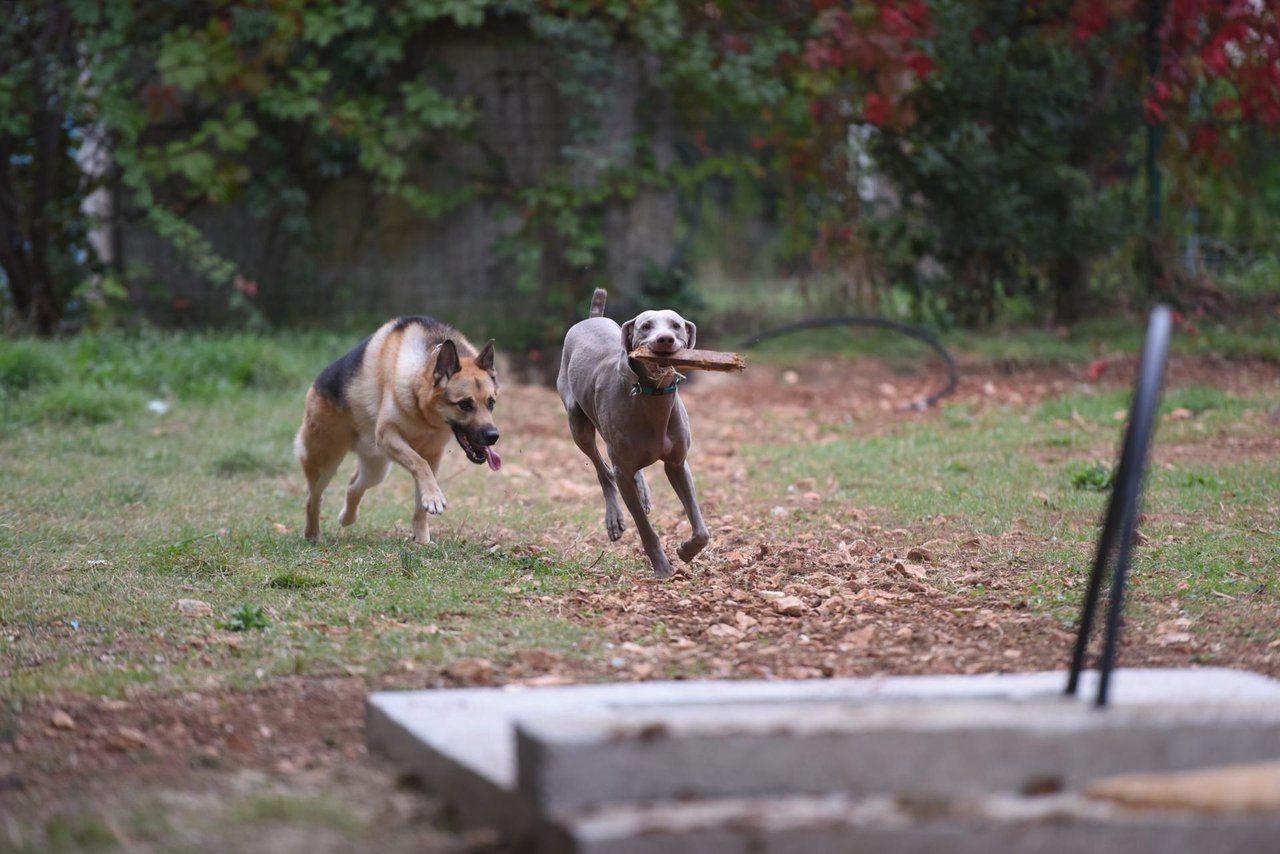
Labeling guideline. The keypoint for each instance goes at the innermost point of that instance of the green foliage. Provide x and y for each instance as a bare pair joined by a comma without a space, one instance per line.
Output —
25,364
1096,477
245,618
1007,178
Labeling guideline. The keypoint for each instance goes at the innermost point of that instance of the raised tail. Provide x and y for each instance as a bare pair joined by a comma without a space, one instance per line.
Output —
597,302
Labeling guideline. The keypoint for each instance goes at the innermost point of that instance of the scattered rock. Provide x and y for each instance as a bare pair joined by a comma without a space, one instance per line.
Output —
724,631
471,671
193,608
790,606
128,738
921,554
910,570
62,720
860,638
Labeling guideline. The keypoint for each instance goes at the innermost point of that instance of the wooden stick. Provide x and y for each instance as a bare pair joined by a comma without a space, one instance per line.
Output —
692,360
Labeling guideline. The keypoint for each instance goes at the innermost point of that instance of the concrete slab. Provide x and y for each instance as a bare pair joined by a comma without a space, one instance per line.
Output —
830,824
921,750
462,743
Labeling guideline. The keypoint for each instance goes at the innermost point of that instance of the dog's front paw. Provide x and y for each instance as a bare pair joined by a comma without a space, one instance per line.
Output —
434,501
661,567
690,548
347,516
614,523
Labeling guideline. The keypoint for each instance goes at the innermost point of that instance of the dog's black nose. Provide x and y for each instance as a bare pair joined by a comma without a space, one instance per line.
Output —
665,340
489,435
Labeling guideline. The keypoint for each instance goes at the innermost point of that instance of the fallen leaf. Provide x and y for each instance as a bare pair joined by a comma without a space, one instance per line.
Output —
1180,414
62,720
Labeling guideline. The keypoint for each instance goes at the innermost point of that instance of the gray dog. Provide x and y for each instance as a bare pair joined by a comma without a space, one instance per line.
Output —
604,390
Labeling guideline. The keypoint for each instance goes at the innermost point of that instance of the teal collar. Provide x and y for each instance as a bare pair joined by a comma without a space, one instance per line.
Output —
640,388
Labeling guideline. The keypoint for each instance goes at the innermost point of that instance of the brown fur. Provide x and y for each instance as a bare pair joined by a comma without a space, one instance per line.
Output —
401,397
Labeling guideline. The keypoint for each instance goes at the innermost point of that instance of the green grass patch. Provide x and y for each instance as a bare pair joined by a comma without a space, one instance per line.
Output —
120,512
294,581
295,809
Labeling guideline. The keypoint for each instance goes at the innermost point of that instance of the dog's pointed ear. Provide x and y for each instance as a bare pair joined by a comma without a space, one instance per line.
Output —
691,333
628,330
484,361
446,362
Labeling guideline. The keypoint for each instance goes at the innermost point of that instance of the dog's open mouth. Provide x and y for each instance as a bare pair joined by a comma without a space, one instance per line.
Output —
475,452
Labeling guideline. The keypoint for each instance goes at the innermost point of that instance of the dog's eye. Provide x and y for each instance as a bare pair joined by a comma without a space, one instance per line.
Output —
466,406
644,327
491,403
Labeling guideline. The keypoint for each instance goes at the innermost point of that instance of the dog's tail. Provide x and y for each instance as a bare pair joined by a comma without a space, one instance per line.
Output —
597,302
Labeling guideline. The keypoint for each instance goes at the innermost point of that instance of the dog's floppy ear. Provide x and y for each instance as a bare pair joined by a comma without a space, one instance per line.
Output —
628,329
691,331
484,361
446,362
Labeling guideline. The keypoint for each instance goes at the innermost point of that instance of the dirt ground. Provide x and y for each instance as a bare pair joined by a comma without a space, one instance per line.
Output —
843,597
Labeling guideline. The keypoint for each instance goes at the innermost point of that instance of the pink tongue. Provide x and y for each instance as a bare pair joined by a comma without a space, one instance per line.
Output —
495,461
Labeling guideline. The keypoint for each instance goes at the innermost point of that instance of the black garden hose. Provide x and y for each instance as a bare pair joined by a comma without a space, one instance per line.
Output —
953,375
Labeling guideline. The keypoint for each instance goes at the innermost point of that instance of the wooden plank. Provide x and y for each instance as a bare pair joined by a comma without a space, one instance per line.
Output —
692,360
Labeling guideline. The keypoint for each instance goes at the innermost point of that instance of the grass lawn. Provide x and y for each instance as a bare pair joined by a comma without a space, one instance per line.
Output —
141,472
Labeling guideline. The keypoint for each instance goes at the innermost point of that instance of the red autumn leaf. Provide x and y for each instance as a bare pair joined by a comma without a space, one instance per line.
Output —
917,11
922,65
1203,138
895,23
875,108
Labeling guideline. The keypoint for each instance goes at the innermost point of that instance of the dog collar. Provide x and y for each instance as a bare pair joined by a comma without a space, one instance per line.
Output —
639,388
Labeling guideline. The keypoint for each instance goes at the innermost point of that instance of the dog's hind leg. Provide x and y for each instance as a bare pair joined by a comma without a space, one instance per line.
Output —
584,436
682,482
322,442
371,471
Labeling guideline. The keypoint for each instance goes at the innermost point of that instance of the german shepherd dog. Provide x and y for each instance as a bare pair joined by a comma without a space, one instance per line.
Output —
398,396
